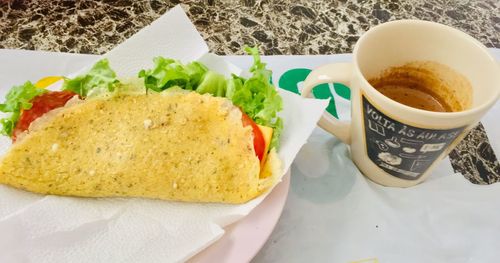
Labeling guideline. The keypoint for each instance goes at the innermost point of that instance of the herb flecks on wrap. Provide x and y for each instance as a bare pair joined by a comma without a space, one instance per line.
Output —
171,146
183,133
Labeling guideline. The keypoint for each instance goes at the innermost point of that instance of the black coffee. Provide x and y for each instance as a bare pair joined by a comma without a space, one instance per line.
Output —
425,85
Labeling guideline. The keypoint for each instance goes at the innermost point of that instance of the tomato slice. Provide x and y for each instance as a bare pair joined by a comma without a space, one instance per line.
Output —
41,105
259,144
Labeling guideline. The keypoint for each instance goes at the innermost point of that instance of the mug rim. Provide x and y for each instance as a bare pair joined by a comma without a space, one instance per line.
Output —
471,111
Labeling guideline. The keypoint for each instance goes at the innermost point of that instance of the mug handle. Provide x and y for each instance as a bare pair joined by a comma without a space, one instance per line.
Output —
339,73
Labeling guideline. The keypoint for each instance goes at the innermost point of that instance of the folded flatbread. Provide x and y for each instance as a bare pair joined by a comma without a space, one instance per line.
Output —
171,146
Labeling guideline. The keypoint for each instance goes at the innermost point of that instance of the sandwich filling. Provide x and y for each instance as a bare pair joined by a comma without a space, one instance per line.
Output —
178,132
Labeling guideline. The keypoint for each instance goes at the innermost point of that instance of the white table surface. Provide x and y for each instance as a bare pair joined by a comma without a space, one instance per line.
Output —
323,180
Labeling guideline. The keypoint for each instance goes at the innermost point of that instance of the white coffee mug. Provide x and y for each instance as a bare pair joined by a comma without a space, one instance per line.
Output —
391,143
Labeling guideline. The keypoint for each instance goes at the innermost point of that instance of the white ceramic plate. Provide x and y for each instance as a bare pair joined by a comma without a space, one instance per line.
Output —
244,239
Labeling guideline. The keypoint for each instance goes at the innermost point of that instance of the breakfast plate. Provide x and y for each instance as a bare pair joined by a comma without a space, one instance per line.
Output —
243,240
220,240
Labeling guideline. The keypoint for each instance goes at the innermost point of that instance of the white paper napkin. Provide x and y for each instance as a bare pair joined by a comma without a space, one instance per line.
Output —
36,228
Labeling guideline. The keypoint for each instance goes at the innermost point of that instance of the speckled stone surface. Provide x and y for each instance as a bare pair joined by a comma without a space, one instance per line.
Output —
279,27
475,159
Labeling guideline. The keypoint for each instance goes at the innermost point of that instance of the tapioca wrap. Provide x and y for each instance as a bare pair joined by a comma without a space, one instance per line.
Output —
191,136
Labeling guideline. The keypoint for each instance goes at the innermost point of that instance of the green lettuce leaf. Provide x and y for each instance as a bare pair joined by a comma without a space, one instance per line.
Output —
168,73
100,76
19,98
258,97
233,84
277,130
213,83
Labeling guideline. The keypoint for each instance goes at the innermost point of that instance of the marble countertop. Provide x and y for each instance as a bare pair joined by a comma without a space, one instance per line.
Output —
279,27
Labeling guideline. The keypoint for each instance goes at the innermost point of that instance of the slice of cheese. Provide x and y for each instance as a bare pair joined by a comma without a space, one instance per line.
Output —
47,81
